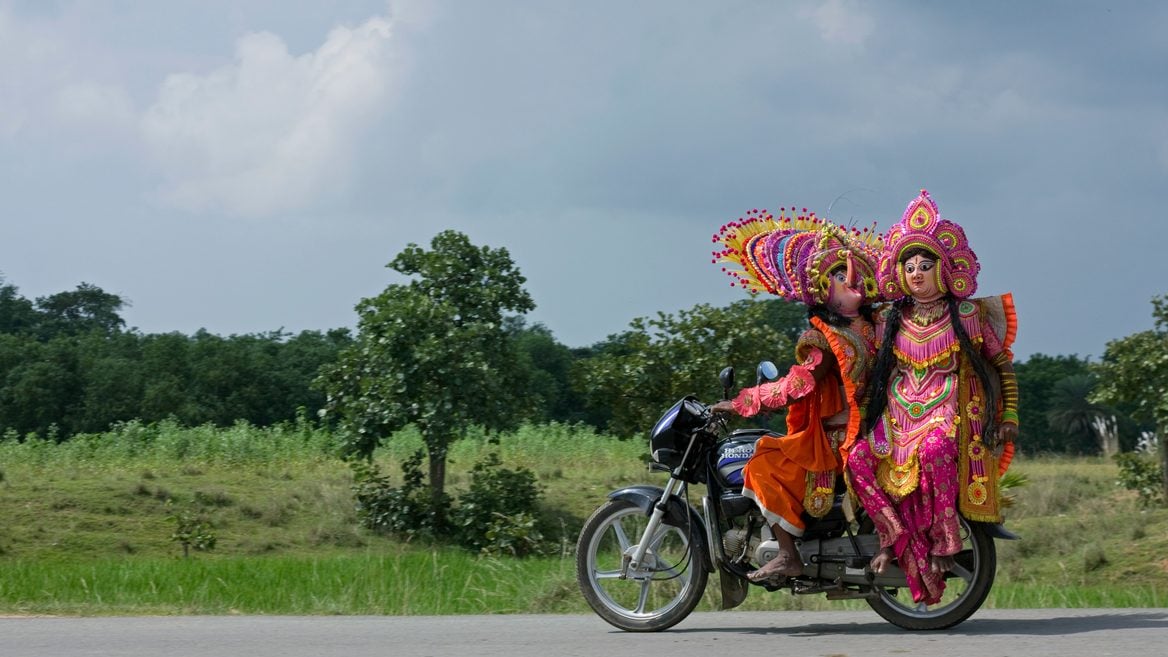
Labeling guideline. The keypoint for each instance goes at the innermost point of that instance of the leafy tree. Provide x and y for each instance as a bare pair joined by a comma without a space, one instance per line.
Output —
17,314
110,373
167,372
42,392
1134,370
433,352
550,394
88,308
639,372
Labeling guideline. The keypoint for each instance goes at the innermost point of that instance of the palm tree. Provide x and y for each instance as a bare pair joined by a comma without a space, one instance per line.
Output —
1071,413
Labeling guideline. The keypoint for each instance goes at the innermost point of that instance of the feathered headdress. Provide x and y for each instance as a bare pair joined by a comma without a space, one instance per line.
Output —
792,256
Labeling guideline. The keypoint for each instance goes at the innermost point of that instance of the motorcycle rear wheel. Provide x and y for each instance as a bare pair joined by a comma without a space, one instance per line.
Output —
659,594
965,589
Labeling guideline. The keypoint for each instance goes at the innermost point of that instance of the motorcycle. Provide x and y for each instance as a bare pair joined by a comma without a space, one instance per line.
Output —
644,557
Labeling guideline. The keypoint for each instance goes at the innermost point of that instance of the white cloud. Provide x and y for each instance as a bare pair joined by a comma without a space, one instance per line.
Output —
270,132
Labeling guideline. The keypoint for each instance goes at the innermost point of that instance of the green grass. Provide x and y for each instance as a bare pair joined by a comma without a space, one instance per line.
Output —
84,529
394,581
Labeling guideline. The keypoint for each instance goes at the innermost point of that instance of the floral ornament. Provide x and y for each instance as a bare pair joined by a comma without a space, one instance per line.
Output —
922,227
792,255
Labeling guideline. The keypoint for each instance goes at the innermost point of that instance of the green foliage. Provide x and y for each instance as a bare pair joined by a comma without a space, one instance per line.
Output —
1134,371
1071,413
1141,473
1037,379
497,515
638,373
1094,557
433,353
548,364
87,309
169,442
85,530
192,529
406,512
87,383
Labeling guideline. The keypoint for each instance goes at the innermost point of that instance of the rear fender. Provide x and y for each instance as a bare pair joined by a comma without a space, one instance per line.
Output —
999,531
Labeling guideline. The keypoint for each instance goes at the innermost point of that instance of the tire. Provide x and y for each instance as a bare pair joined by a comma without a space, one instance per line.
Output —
662,592
966,587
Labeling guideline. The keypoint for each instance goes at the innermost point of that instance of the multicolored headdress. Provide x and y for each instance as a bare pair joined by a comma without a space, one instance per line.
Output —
792,256
922,227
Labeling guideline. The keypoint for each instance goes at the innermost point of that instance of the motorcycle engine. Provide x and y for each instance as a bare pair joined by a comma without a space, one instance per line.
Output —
765,551
740,546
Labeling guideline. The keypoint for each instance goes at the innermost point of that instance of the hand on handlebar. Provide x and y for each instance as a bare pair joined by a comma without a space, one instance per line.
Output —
725,407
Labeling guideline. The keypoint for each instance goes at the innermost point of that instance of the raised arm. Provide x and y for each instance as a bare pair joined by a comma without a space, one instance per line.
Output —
799,382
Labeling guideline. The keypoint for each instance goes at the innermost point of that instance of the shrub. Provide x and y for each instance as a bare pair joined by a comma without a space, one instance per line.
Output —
497,513
192,530
1141,473
407,511
1094,557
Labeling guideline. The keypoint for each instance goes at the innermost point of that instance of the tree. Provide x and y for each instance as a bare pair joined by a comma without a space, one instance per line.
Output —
1134,370
550,394
1072,413
1037,378
88,308
639,372
17,315
433,353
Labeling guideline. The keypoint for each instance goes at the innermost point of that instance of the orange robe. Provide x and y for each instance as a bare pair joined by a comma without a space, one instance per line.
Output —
795,473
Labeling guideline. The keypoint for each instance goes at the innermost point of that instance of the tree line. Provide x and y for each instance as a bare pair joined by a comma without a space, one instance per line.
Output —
69,365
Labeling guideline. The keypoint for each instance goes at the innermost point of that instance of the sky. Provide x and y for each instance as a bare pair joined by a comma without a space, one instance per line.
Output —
246,166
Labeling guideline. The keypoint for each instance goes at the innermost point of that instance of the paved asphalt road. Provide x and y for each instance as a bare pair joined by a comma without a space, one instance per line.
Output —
990,633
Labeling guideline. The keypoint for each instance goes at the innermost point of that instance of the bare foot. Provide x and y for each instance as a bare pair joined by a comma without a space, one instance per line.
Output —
783,565
942,564
881,561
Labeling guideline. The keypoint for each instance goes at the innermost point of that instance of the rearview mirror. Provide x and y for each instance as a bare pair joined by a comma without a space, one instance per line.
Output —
767,371
726,377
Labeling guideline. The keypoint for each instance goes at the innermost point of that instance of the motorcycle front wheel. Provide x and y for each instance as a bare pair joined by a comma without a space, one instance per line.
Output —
966,587
660,593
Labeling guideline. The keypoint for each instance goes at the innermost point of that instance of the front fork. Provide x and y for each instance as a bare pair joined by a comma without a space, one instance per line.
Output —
632,562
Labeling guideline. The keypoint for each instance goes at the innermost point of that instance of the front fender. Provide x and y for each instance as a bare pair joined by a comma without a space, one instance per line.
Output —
677,512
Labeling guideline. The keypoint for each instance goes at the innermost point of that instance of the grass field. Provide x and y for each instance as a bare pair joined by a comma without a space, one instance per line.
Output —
86,529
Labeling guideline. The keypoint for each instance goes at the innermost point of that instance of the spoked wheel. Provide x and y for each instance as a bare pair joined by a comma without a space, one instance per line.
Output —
657,595
966,587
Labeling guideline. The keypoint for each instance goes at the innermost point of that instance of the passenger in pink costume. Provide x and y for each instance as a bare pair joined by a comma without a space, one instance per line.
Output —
942,415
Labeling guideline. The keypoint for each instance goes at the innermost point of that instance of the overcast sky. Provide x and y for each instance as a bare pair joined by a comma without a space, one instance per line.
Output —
249,165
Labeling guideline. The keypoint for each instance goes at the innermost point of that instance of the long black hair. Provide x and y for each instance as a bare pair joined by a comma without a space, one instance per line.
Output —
832,318
886,360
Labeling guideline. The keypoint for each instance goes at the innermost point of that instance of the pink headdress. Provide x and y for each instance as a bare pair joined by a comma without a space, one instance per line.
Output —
922,227
792,256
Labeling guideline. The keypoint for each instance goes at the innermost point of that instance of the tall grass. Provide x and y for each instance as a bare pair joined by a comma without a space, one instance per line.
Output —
167,442
85,528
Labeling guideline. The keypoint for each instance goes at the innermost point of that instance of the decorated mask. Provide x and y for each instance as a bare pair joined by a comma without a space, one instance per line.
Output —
922,227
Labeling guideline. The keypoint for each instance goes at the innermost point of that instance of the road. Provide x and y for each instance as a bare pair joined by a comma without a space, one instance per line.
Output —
1027,633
